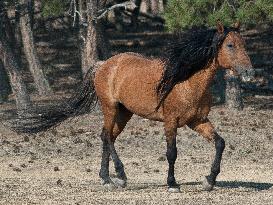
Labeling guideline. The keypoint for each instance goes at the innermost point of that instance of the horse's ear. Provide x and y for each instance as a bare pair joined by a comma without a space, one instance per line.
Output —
237,25
220,27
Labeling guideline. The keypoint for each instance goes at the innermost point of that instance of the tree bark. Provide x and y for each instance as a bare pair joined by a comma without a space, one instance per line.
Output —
4,84
18,86
135,14
233,92
104,50
156,7
30,50
82,30
90,52
9,61
96,44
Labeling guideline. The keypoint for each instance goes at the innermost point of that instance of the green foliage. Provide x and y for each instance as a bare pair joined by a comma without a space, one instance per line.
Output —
53,7
187,13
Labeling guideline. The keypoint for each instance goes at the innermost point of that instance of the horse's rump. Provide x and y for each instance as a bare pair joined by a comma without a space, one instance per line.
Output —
129,79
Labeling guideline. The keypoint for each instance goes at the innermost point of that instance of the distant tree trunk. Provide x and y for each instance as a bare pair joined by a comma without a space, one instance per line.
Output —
145,6
156,7
82,30
135,14
18,86
103,41
30,50
90,51
30,8
4,84
96,44
9,61
233,92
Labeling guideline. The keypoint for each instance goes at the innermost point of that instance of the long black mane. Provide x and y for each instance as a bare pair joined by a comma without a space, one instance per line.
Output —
190,52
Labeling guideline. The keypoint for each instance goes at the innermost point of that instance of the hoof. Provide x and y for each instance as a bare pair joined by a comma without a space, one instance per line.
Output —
119,182
109,186
174,190
207,185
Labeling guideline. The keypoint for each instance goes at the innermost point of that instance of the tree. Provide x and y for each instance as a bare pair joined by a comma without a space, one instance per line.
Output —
135,13
96,44
90,52
156,6
185,13
30,50
10,64
90,13
4,84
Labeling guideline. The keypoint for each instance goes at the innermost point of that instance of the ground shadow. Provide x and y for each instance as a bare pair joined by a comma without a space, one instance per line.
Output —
237,184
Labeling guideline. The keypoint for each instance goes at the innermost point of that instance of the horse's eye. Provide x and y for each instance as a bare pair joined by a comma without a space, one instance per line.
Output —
230,45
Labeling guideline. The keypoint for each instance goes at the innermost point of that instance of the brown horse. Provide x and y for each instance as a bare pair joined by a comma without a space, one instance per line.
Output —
173,90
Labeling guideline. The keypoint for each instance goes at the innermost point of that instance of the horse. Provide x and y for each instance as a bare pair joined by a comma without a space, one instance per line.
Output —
173,90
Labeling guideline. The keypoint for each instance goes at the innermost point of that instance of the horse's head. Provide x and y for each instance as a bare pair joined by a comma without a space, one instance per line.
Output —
232,54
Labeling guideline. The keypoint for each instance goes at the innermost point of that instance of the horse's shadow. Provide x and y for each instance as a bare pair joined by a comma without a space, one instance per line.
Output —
238,184
258,186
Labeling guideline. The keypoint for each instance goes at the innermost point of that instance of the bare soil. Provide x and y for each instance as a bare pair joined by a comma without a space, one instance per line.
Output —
61,166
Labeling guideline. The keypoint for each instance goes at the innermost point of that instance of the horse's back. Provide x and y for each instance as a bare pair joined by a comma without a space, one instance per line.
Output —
130,79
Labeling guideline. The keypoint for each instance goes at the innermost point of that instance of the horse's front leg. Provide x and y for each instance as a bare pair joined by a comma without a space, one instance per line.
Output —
171,132
206,129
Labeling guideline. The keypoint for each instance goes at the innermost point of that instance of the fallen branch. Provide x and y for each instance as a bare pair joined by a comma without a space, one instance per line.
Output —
128,5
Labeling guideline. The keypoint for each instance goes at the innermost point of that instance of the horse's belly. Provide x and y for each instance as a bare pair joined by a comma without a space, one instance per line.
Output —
140,99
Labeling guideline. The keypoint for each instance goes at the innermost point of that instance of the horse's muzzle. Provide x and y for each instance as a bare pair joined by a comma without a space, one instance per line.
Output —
246,74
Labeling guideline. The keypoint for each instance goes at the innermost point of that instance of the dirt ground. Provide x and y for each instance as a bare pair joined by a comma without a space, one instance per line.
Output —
61,166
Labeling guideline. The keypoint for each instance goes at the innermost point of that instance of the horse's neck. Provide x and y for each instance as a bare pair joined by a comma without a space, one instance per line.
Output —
200,81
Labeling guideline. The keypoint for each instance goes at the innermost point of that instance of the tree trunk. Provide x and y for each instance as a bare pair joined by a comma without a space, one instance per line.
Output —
82,30
4,84
30,51
96,44
30,8
90,53
18,86
9,61
145,6
135,14
155,7
104,50
233,92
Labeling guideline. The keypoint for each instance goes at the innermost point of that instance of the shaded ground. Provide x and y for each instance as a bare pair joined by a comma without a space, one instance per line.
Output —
61,166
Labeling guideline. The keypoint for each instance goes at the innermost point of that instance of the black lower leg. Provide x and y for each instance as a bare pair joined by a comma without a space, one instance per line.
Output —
117,162
104,170
215,168
171,156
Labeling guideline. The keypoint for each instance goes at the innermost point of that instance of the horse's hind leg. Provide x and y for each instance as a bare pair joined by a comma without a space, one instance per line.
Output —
115,119
104,170
206,129
122,117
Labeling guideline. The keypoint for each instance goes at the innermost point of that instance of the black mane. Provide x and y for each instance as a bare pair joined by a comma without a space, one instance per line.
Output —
189,53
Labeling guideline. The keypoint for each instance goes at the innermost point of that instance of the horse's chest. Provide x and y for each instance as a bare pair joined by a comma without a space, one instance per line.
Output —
202,107
197,108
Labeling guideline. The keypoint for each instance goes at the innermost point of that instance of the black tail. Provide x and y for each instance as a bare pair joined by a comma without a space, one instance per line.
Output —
83,101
